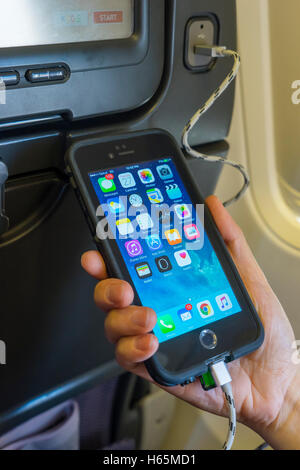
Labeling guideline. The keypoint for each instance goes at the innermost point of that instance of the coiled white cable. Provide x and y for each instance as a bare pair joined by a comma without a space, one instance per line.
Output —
227,389
222,379
216,51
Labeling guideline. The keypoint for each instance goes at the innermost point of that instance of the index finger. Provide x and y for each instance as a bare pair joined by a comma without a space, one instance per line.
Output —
239,249
93,263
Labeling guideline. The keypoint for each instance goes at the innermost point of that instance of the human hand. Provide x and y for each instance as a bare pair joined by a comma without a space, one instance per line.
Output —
263,382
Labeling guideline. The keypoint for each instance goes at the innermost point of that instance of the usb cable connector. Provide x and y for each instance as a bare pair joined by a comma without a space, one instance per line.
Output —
220,373
209,51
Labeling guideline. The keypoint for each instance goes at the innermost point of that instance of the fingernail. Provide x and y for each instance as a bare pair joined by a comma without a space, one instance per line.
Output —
140,318
112,294
144,343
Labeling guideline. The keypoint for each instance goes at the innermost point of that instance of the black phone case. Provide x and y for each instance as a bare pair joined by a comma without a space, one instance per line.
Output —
153,365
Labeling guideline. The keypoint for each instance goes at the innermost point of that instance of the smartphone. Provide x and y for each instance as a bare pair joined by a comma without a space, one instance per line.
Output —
153,229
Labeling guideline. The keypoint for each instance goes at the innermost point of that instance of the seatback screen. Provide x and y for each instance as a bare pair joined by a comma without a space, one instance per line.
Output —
42,22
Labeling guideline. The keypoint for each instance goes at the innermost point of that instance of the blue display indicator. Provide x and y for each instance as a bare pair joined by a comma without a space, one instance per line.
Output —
165,248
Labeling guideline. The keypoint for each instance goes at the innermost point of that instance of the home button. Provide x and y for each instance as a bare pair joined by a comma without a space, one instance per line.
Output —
208,339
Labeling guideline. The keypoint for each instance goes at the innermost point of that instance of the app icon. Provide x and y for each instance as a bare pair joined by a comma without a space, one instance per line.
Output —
224,302
155,196
166,324
145,222
173,237
163,264
164,172
127,180
173,191
191,232
146,176
136,200
143,270
205,309
116,206
134,248
154,242
182,211
184,314
125,227
107,184
183,258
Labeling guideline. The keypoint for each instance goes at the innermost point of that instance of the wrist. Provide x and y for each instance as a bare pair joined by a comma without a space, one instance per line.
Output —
284,432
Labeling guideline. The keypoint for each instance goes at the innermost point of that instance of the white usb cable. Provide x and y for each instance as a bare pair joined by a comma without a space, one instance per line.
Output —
219,370
223,379
216,51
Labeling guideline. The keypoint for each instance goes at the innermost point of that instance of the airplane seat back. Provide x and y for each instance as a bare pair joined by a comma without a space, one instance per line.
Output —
71,73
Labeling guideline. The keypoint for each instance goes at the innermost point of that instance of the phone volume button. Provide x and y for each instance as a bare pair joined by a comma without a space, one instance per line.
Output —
85,212
73,184
68,171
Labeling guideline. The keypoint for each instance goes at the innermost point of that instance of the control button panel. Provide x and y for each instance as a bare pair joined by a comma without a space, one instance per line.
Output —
46,75
10,77
26,76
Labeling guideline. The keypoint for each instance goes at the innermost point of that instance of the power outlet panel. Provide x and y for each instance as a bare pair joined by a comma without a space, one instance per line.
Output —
200,30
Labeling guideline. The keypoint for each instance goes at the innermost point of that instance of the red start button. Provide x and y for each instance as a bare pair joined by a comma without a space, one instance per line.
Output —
108,17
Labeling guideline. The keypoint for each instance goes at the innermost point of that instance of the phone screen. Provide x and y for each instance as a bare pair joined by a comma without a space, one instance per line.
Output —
162,240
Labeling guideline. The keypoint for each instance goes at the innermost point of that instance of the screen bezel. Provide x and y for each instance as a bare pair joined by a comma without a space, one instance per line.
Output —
238,332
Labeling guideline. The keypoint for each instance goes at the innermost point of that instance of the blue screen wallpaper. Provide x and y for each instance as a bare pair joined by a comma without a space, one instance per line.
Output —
167,252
